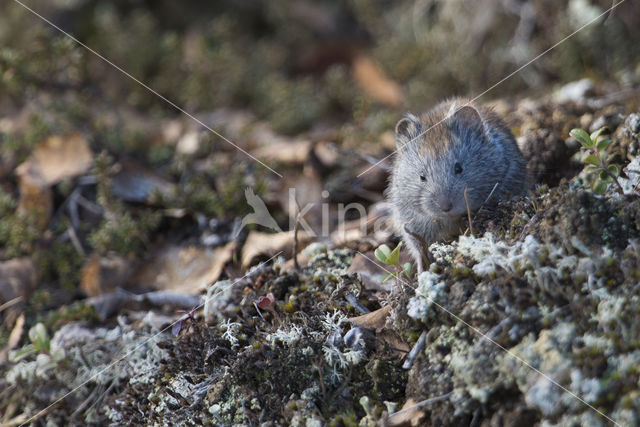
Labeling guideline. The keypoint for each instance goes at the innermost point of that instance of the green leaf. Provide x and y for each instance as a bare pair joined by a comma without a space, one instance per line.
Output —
387,277
382,253
595,135
602,145
614,169
592,160
600,187
605,177
394,257
21,353
407,267
582,137
39,337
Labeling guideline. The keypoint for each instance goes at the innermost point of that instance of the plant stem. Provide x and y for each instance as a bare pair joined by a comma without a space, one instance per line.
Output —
615,178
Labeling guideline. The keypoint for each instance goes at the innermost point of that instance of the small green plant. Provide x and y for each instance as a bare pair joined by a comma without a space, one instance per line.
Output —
596,159
389,257
40,343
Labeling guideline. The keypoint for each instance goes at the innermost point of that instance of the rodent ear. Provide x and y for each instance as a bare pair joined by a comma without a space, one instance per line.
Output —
467,119
406,129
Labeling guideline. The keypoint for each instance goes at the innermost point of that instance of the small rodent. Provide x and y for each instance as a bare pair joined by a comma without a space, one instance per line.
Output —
455,146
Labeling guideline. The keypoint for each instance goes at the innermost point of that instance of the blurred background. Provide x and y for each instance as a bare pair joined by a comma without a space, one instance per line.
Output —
96,171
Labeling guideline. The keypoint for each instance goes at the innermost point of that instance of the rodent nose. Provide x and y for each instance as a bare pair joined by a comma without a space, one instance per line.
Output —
444,204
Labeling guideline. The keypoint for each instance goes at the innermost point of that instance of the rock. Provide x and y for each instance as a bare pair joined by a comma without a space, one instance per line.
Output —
633,172
628,136
575,91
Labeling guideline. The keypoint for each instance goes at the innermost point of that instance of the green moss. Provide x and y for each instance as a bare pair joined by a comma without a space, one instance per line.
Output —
77,312
60,262
19,233
124,234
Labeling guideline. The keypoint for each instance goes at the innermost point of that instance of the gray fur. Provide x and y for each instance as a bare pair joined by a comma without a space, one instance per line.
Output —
474,137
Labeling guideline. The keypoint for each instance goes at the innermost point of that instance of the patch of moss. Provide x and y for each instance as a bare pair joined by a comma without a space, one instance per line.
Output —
77,312
19,233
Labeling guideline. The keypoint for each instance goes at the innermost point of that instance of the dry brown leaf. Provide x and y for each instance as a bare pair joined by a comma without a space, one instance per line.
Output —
377,320
326,153
185,269
18,277
54,159
374,320
58,158
14,339
36,197
290,152
393,340
289,264
102,275
414,415
269,244
371,272
370,77
375,228
107,305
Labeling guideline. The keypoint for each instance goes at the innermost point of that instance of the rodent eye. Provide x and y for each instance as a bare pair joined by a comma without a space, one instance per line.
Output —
422,177
457,168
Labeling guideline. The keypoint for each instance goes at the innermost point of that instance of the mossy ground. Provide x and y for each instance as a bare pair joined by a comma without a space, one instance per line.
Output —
556,285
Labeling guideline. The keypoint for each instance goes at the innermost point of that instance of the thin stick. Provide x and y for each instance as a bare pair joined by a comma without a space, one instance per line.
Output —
351,299
466,201
10,303
295,240
415,351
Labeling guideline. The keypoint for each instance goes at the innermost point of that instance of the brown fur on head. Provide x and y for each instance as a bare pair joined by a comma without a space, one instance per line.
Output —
456,147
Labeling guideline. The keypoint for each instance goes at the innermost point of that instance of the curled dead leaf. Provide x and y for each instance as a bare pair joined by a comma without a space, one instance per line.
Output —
36,197
58,158
101,275
374,320
269,244
53,160
411,414
18,278
290,152
371,272
14,339
372,79
187,269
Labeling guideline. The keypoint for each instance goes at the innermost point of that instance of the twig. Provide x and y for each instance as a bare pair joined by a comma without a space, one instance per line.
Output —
487,199
493,332
415,351
612,98
594,150
295,235
466,201
295,240
71,232
528,225
86,402
318,364
258,310
10,303
351,299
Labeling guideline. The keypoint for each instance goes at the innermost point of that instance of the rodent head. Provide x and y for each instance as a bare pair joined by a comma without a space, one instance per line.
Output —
440,155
